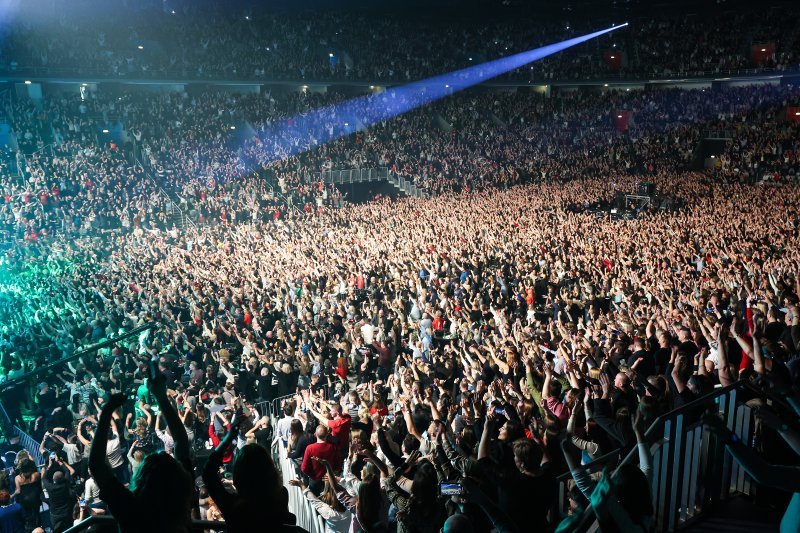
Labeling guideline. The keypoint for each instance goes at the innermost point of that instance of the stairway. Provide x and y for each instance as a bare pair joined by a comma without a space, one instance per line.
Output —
177,216
737,515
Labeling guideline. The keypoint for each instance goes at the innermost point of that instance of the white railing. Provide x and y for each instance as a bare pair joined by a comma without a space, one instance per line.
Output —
307,517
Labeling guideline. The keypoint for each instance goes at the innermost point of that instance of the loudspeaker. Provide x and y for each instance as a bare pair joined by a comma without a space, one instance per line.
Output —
647,189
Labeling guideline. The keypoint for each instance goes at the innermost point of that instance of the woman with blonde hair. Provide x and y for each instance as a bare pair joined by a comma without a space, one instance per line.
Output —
337,517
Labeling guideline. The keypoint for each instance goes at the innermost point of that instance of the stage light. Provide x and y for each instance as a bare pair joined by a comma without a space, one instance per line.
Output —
281,137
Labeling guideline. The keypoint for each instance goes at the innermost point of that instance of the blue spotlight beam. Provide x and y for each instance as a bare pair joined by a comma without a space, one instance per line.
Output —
334,121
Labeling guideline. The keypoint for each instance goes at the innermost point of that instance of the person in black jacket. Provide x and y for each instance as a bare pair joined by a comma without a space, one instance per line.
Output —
56,481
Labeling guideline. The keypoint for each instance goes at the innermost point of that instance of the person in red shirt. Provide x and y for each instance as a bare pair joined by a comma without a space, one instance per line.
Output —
227,457
312,466
338,421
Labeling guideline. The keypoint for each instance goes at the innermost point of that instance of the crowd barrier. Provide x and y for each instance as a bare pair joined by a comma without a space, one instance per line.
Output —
272,408
307,517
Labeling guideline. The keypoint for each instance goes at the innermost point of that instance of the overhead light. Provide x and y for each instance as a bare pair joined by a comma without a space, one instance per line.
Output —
713,157
105,131
612,57
233,127
28,82
619,116
605,85
763,49
140,47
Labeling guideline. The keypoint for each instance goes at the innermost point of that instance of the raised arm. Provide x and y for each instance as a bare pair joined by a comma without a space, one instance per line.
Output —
158,387
98,466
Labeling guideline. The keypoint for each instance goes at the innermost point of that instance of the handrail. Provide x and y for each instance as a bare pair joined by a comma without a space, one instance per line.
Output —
23,73
164,193
107,520
657,423
65,360
703,400
680,461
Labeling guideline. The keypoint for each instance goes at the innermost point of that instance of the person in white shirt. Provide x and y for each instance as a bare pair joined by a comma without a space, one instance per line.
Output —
368,333
284,424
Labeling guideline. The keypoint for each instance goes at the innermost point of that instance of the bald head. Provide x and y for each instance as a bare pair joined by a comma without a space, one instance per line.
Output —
458,523
321,433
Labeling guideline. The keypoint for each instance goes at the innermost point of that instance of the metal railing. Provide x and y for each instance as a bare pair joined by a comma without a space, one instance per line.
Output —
61,362
690,469
353,175
364,175
306,515
717,134
272,408
407,186
110,521
175,211
100,75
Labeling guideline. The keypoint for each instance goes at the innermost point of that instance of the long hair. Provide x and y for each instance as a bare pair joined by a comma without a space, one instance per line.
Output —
425,488
165,489
368,508
329,497
254,473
